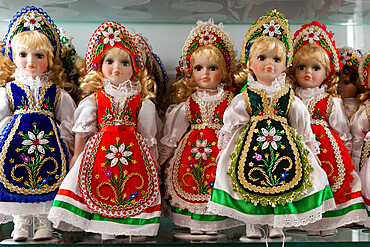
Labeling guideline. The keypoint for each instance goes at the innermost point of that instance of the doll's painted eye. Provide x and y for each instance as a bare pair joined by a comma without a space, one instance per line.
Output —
22,54
316,68
109,61
126,63
213,68
40,56
261,58
198,68
301,67
277,60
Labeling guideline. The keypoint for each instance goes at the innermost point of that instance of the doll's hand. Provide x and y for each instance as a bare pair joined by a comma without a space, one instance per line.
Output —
164,153
72,161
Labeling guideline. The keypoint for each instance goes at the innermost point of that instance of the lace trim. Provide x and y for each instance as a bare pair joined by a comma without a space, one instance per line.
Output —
15,208
292,220
276,85
123,90
28,80
308,93
204,94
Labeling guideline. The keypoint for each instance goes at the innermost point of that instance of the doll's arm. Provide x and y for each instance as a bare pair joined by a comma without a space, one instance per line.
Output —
235,116
300,120
64,113
78,148
175,126
5,112
338,122
359,127
147,126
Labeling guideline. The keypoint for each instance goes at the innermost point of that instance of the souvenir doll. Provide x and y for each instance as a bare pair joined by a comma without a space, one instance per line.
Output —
360,126
348,87
201,96
267,173
36,117
112,188
314,65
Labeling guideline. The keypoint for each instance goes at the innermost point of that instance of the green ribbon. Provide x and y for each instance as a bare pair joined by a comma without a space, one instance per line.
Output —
198,217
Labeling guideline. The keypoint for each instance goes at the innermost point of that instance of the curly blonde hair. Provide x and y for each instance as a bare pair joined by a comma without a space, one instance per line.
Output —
185,86
38,41
94,79
313,51
261,44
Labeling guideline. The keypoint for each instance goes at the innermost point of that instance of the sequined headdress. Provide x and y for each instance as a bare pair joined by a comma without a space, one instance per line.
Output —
111,34
363,69
350,57
143,44
208,33
272,24
316,33
32,19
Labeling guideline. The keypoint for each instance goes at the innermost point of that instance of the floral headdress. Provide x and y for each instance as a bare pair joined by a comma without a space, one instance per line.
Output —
363,69
111,34
142,43
316,33
272,24
350,57
69,54
207,33
32,19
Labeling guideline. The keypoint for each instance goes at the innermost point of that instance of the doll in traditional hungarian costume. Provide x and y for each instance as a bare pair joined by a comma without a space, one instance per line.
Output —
360,126
112,188
267,172
200,97
314,65
36,117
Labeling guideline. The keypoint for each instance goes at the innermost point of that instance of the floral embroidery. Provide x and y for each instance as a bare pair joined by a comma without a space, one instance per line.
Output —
217,118
32,21
206,38
277,110
268,137
108,116
46,105
197,120
197,172
271,29
127,116
201,149
24,102
311,35
117,154
317,115
33,141
111,37
259,111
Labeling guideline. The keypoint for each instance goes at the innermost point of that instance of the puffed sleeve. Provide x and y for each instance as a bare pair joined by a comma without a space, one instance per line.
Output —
338,122
85,117
175,125
359,124
147,125
300,119
64,112
5,112
235,116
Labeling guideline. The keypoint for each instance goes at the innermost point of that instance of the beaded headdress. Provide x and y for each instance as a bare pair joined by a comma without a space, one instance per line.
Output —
350,57
272,24
31,18
160,74
316,33
112,34
69,55
363,69
207,33
143,44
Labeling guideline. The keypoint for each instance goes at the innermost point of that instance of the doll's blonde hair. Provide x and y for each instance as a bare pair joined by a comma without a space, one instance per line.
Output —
38,41
261,44
94,79
185,86
313,51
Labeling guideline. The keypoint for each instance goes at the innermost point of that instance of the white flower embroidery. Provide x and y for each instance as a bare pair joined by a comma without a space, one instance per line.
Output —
201,150
271,29
345,57
206,38
268,138
311,35
32,21
118,155
111,37
35,142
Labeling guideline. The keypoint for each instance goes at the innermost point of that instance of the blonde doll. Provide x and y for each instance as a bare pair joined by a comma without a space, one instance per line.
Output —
113,186
201,97
266,174
36,116
314,64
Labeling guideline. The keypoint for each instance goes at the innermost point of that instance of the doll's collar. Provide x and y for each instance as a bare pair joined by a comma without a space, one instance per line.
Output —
310,92
276,85
127,87
203,93
28,80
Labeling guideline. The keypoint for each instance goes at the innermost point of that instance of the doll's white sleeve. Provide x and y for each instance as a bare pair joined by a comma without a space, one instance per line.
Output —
85,118
338,122
235,116
300,120
5,112
359,124
64,112
175,125
147,125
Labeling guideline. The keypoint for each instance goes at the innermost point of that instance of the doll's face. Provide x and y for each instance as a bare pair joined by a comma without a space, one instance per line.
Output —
346,88
310,73
206,74
267,66
117,68
31,62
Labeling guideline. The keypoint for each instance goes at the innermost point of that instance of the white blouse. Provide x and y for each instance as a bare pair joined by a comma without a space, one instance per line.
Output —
86,121
64,108
349,106
236,114
338,120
